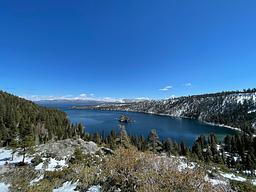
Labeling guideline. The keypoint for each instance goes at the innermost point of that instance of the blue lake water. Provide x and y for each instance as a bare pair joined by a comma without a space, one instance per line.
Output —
178,129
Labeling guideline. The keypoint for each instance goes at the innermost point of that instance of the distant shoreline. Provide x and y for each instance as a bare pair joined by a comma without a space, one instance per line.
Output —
222,125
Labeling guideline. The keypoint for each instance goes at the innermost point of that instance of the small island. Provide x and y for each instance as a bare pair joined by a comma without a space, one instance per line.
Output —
124,119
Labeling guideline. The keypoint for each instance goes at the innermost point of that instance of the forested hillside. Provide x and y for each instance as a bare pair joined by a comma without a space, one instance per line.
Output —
22,120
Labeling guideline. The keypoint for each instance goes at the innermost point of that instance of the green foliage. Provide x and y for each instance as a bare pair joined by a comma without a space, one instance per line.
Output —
242,186
130,170
243,145
204,148
19,177
154,143
36,160
123,138
26,143
20,118
78,154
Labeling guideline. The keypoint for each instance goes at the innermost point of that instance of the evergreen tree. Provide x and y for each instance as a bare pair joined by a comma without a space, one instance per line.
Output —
80,129
97,138
227,142
26,143
249,163
112,139
168,146
14,144
123,138
154,143
197,149
184,151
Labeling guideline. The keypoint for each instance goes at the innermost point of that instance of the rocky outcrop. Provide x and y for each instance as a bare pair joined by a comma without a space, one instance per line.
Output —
124,119
65,148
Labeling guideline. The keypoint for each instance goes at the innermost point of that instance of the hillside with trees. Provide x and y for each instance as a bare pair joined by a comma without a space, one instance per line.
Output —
24,123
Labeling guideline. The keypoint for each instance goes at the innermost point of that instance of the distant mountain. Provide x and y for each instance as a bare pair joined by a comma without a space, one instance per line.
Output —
69,103
235,109
82,102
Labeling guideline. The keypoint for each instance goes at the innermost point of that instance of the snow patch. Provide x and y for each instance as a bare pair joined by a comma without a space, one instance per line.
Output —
215,181
4,187
36,180
52,165
251,111
66,187
185,165
6,156
96,188
232,176
239,98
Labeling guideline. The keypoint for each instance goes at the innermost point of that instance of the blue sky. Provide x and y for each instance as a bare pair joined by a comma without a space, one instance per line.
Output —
126,49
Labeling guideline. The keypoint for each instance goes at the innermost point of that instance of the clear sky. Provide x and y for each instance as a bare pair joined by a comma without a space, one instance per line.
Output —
126,48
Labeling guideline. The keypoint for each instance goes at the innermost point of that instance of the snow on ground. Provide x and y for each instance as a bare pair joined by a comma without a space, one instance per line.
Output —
96,188
232,176
215,181
183,164
66,187
240,98
254,182
248,172
6,156
4,187
252,111
36,180
52,165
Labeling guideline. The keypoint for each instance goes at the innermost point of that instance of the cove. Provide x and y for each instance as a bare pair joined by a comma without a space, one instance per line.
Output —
177,129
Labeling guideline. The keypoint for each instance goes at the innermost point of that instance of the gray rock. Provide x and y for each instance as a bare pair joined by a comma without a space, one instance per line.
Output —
66,147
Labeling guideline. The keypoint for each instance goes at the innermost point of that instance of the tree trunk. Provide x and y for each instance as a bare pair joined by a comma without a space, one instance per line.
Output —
24,155
13,155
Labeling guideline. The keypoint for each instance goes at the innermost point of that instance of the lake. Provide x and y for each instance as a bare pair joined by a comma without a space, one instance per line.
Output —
178,129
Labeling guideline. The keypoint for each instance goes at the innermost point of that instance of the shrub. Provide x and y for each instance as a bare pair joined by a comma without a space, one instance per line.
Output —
36,160
242,186
131,170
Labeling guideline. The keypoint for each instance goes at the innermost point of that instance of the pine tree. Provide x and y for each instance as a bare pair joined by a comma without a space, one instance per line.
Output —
227,142
123,138
212,142
249,162
14,144
97,138
183,149
78,155
80,130
154,143
27,142
168,146
197,149
112,139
